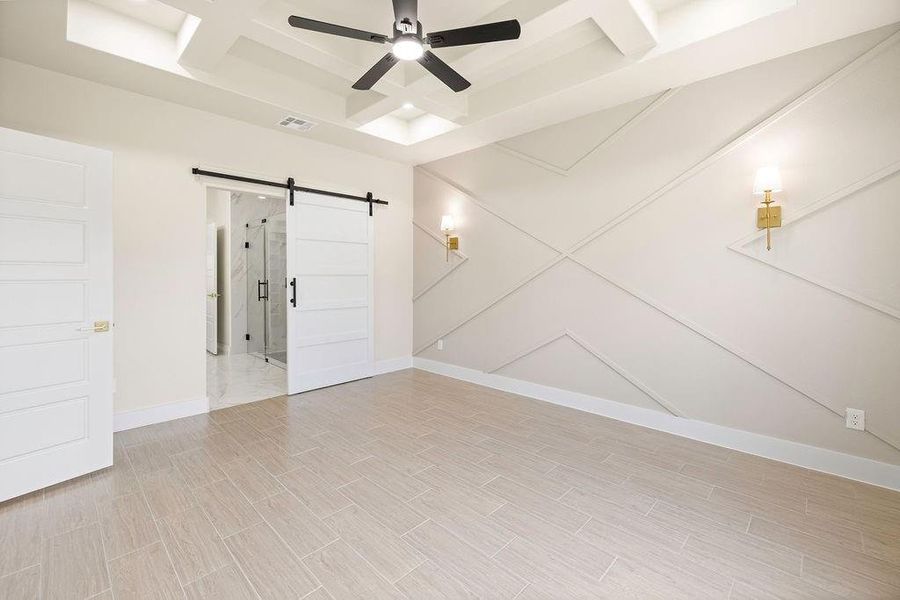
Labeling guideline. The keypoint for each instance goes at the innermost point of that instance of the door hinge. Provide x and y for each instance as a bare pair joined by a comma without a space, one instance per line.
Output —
246,244
247,336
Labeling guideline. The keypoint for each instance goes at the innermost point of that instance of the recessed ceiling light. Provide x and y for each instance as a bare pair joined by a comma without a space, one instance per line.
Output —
408,105
261,197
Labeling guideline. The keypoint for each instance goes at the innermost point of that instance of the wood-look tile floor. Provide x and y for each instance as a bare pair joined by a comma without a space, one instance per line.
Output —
411,485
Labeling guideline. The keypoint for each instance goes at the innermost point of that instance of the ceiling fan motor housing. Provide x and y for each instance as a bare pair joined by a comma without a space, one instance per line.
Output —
404,27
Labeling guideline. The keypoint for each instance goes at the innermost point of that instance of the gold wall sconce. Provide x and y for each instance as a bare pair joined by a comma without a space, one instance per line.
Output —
767,182
447,227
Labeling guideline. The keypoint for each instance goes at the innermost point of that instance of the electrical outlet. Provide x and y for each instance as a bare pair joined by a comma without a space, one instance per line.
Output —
440,344
856,419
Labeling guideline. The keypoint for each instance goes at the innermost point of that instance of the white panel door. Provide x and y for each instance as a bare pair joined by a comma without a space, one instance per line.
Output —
56,377
212,291
330,271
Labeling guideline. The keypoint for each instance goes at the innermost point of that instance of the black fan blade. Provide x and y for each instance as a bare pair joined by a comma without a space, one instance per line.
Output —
477,34
406,9
444,72
376,72
348,32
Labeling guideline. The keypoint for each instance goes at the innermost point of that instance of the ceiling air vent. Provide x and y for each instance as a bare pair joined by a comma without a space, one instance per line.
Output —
296,123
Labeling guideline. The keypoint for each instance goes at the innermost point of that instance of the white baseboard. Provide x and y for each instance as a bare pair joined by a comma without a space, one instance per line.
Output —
158,414
795,453
393,364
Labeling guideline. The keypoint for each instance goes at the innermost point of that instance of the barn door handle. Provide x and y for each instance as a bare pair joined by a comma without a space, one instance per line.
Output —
294,292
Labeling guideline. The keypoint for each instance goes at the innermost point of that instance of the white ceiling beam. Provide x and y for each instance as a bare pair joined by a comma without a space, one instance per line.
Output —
630,24
215,32
542,27
198,8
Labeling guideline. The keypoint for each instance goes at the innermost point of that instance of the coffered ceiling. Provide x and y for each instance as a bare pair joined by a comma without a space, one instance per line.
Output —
240,58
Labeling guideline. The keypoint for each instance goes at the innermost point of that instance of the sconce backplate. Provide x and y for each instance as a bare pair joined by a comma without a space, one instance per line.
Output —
774,217
453,243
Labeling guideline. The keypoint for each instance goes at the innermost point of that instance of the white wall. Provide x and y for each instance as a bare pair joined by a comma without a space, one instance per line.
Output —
159,216
617,255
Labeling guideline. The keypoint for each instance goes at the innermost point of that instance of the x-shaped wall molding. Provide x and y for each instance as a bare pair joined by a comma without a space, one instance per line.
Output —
609,362
607,141
569,254
740,246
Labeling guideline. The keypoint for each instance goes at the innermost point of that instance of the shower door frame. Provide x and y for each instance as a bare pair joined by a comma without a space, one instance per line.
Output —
263,240
254,289
280,287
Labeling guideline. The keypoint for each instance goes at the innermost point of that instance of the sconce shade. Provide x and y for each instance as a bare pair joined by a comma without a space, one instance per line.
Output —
768,179
447,223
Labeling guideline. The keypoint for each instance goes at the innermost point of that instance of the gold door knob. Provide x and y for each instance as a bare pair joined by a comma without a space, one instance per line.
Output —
99,327
212,295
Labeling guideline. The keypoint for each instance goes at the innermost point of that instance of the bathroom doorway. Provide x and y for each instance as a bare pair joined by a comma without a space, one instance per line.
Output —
248,362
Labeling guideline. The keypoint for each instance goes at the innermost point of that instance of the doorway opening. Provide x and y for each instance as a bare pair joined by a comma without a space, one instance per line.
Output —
246,283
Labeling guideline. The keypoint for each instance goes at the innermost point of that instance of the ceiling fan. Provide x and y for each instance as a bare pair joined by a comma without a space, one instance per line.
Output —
409,43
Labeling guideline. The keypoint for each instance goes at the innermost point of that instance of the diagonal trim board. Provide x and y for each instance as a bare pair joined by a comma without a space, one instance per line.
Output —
472,198
637,383
739,246
745,137
608,140
440,241
690,172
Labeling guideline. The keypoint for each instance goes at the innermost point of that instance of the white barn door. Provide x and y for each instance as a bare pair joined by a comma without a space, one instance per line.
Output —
56,413
330,278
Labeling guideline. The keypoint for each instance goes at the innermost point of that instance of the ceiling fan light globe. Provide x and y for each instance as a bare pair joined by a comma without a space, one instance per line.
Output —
408,49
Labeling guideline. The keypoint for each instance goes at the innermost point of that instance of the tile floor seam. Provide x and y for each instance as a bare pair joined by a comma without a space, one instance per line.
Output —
394,583
425,522
583,525
372,566
165,546
419,495
514,538
522,591
609,568
31,566
321,587
236,563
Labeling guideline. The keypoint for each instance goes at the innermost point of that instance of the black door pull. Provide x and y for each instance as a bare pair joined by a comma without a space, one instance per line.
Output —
294,292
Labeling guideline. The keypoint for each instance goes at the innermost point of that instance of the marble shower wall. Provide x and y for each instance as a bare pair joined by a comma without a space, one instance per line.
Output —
276,272
247,209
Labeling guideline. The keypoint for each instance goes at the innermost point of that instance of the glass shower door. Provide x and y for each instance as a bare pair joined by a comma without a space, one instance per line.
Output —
256,288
